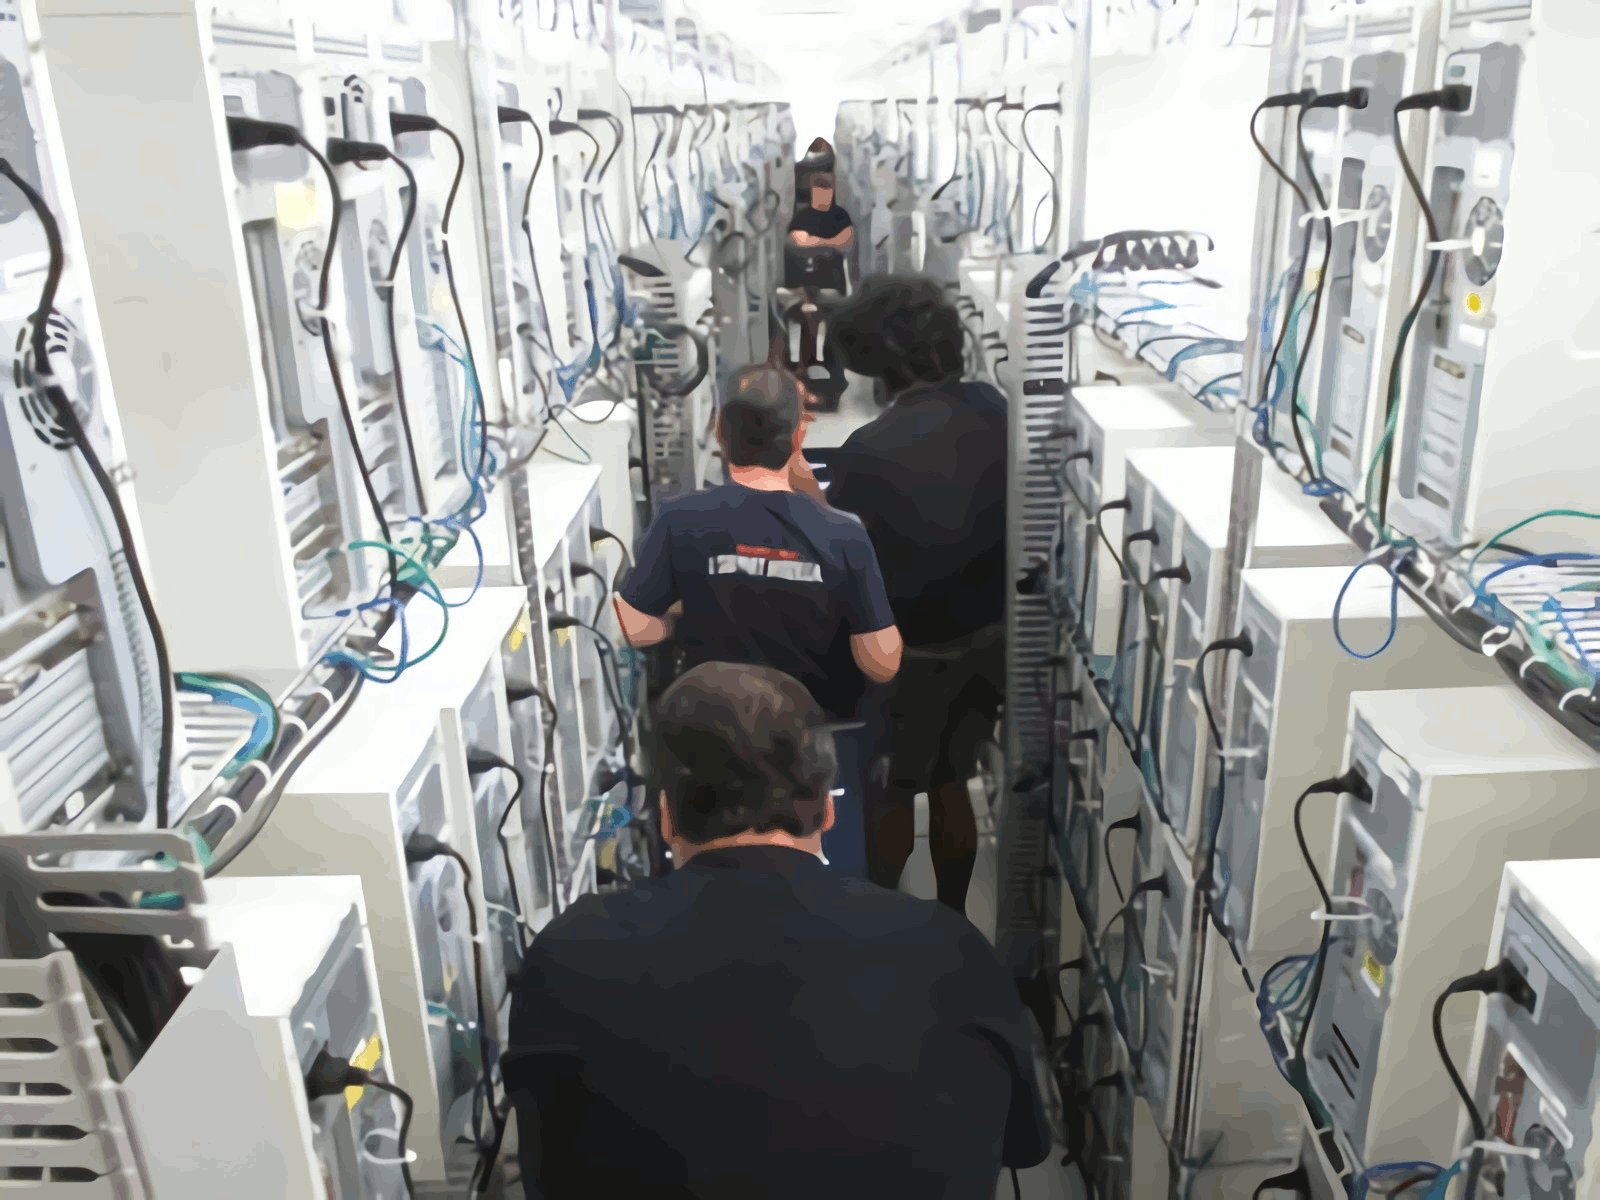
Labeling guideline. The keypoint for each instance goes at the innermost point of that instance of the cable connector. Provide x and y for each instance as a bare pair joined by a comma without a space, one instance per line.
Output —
349,150
422,847
1239,643
1143,535
409,122
1179,572
1351,783
251,133
1453,97
1502,979
562,621
329,1075
1356,97
1290,99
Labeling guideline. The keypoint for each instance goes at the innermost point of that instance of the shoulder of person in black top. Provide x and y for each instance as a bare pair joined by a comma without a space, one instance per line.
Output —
828,223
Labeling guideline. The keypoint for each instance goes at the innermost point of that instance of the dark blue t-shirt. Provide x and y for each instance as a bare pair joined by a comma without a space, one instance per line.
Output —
770,578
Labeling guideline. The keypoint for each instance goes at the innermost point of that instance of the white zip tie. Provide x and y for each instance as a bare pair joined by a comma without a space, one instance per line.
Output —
1483,643
1338,216
1506,1149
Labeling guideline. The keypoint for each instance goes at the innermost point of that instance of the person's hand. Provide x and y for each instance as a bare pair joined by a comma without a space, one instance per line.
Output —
802,479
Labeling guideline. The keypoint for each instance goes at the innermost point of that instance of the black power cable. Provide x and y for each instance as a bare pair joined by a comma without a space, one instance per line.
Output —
1297,272
1453,98
1354,98
249,133
1096,528
421,848
507,116
1353,783
477,764
547,768
1135,823
610,676
45,379
328,1076
1502,979
1241,644
404,122
342,150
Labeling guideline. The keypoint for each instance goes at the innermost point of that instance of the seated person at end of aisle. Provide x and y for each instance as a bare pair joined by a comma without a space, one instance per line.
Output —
822,222
752,1024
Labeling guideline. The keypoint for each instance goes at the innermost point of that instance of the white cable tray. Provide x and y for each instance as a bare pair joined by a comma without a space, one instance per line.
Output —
1539,595
213,733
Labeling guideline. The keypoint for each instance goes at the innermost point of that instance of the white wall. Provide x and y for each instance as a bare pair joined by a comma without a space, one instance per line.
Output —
1169,140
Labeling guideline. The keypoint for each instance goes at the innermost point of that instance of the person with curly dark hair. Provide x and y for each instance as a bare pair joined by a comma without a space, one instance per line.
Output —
928,480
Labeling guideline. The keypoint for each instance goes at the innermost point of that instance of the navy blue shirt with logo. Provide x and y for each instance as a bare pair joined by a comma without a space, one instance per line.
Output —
769,578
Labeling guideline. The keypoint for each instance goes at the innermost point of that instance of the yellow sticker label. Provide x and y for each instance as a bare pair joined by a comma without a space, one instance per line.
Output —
519,633
1374,970
297,206
563,636
1474,303
366,1060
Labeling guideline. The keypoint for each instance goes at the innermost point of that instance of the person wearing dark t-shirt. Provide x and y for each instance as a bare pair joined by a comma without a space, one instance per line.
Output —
756,571
822,223
820,237
753,1024
928,480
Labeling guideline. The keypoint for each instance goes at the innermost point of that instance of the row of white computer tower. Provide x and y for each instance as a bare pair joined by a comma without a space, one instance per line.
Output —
1198,1000
332,381
1235,698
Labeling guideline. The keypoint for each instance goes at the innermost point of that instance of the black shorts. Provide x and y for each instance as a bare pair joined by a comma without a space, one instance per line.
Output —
943,708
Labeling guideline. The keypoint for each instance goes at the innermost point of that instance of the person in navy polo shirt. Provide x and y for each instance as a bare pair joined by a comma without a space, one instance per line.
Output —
758,571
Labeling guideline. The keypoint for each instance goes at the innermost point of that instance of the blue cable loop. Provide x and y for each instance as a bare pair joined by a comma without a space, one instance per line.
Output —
1364,1181
1394,569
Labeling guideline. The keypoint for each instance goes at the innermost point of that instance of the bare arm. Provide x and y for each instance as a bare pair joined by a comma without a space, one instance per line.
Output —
878,653
641,629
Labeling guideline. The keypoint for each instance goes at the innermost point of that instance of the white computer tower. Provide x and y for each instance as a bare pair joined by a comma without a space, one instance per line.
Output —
1534,1074
380,779
1462,781
1513,182
80,720
1102,424
495,809
250,487
1280,741
1190,515
292,976
1390,50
